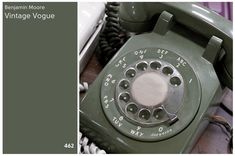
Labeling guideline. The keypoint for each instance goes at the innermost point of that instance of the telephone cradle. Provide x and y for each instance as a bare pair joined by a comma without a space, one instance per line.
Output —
156,93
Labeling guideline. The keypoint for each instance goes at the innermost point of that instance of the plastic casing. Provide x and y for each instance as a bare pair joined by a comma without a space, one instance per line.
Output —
90,25
89,16
182,41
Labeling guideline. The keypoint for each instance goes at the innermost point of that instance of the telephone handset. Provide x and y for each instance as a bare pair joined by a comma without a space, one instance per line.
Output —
156,92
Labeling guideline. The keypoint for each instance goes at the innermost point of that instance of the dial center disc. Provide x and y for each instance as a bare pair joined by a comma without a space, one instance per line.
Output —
149,89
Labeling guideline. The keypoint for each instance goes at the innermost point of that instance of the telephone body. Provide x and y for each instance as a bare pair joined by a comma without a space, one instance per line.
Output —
156,93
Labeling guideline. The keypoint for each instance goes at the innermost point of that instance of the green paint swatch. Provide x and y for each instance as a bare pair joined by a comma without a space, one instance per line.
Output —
39,77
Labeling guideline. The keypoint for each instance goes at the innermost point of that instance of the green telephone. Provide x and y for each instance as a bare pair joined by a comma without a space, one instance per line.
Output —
156,93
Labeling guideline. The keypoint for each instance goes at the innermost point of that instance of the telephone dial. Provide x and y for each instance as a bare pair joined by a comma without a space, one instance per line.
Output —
156,93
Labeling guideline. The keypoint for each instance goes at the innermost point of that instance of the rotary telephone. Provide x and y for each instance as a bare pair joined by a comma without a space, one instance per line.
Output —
156,93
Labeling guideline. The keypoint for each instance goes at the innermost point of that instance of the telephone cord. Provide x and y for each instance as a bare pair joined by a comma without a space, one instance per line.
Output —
88,148
83,87
113,36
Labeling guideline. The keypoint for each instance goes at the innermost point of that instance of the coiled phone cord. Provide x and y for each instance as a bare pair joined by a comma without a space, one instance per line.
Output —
84,146
83,87
113,36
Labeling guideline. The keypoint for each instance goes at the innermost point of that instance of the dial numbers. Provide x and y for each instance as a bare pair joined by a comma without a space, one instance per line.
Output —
158,65
153,84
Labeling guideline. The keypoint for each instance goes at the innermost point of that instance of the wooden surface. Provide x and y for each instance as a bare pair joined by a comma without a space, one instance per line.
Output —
213,140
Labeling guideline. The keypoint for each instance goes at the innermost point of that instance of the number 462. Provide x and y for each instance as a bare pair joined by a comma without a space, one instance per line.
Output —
69,145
